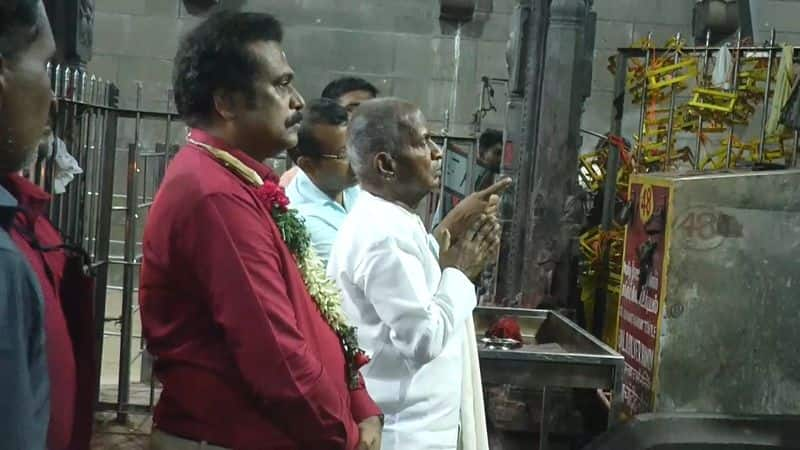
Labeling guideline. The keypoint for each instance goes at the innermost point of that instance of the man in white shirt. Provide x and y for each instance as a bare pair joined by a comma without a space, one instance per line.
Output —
410,295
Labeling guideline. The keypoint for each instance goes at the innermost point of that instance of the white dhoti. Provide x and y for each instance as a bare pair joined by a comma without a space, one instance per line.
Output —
473,434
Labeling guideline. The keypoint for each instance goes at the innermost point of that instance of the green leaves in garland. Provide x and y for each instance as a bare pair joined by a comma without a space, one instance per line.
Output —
293,230
321,288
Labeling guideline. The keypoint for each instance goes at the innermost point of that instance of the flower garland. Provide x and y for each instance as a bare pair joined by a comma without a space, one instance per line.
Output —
320,287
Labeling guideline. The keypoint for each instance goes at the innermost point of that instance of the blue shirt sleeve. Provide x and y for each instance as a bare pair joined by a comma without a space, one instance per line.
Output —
24,382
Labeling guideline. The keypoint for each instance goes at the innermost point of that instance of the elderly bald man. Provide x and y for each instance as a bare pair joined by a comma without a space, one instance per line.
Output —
410,295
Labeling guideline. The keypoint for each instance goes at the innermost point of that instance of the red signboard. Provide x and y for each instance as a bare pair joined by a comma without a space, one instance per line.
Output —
640,297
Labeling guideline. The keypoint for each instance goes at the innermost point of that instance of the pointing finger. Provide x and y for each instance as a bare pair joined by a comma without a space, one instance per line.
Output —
496,188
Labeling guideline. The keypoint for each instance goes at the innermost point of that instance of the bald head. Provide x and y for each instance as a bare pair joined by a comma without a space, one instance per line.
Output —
391,152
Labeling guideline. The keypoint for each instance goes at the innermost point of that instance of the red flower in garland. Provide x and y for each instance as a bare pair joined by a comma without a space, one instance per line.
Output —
360,360
273,195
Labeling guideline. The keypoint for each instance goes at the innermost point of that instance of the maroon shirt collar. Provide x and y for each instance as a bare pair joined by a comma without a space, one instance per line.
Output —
265,172
30,198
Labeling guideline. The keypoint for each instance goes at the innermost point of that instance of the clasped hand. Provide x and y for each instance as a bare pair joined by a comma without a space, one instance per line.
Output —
471,236
370,434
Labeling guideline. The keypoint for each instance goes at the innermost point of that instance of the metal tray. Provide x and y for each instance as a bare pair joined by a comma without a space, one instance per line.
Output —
555,353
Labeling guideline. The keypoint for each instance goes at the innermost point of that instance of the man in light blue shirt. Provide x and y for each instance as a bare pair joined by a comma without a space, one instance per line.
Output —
324,190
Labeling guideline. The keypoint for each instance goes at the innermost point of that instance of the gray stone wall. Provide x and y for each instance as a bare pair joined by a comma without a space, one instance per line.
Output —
784,16
400,46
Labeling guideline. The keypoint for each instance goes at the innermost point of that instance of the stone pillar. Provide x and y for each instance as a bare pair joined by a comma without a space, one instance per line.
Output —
525,57
73,29
553,214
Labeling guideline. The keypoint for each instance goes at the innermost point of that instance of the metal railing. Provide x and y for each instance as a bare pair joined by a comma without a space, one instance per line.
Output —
147,158
84,124
90,125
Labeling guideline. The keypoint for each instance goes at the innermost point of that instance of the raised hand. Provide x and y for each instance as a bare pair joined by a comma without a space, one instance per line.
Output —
469,210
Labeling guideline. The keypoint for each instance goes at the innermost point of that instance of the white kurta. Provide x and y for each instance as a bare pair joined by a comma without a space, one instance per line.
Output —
411,319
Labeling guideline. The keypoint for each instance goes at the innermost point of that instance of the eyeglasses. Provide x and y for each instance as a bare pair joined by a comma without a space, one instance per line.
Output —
341,155
326,156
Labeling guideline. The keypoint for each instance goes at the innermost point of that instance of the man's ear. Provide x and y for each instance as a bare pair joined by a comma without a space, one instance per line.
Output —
384,165
225,104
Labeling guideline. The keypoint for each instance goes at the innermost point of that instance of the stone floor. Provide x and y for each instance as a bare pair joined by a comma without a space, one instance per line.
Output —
133,435
111,435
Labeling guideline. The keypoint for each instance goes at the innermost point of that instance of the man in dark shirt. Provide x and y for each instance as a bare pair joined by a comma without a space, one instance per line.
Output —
26,43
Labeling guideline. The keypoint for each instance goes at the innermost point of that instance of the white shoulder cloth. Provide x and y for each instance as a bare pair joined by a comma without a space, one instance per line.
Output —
473,434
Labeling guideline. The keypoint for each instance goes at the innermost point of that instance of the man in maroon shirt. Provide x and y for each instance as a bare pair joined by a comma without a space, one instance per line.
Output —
25,98
245,358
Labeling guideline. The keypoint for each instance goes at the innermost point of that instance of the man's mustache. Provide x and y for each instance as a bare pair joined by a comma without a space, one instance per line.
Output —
294,119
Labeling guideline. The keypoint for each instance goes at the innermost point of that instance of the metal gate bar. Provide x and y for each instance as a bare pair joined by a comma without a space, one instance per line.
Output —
146,165
84,122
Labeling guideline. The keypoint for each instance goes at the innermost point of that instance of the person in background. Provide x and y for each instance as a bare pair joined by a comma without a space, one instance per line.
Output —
246,357
26,44
490,154
348,92
486,196
324,190
410,294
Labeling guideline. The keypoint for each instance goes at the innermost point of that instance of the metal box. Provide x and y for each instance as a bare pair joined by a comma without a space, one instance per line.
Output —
556,355
709,313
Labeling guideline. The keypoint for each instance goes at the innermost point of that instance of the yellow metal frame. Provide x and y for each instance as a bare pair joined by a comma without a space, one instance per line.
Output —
745,151
704,99
590,244
755,74
591,169
749,87
672,75
658,127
